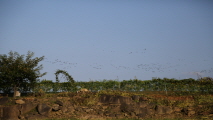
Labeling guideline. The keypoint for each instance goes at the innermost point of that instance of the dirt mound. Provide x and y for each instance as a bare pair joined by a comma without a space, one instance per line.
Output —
101,106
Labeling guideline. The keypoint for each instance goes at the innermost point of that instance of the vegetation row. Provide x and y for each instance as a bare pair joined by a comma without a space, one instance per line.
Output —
18,72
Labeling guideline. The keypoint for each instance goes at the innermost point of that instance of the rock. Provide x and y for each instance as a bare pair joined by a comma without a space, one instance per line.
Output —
190,108
126,108
126,115
35,117
136,110
17,94
163,110
151,105
177,109
133,114
191,112
142,104
44,109
114,99
79,109
83,90
27,107
4,100
30,99
55,107
21,117
70,109
135,98
20,101
88,110
59,102
126,100
115,109
119,115
64,109
105,98
10,113
200,106
145,112
143,99
111,115
101,113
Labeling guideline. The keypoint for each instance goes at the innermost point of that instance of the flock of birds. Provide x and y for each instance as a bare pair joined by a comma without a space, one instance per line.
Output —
62,63
153,67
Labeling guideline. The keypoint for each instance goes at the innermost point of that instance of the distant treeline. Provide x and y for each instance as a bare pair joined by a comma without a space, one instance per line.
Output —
204,85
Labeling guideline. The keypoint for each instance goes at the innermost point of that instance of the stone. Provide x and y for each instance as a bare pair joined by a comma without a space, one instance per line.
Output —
17,94
105,98
112,115
177,109
168,110
87,110
83,90
70,109
190,108
144,112
119,115
27,107
115,109
10,113
59,102
20,101
35,117
78,109
64,109
163,110
135,97
4,100
21,117
159,110
151,105
126,100
126,108
143,99
43,109
142,104
55,107
101,113
191,112
133,114
114,100
137,110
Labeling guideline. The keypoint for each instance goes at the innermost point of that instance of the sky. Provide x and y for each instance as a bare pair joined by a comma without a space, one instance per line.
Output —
112,39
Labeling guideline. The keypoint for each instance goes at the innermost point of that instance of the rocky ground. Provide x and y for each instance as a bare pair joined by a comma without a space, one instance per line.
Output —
89,105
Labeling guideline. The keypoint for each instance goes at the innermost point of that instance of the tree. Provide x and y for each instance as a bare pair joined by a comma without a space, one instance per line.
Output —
46,85
71,82
19,72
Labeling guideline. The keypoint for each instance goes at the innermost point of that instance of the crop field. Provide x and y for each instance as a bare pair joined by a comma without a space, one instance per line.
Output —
160,86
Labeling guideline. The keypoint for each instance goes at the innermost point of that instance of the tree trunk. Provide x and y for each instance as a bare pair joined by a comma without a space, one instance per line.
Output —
14,89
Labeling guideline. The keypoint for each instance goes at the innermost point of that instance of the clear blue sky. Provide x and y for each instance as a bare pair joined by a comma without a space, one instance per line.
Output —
112,39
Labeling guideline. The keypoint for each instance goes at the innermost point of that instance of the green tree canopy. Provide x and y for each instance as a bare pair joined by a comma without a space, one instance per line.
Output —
18,71
71,81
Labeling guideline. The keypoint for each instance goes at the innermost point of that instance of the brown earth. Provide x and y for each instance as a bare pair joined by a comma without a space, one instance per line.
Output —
88,105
